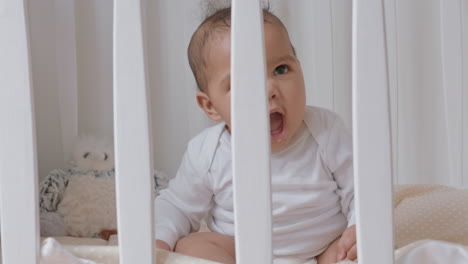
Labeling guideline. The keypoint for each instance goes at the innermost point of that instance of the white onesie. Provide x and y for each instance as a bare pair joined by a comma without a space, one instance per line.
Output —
312,188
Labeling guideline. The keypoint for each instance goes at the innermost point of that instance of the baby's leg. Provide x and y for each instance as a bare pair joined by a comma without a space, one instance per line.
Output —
208,245
330,255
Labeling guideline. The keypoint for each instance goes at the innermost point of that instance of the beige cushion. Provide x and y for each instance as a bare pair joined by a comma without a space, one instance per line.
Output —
435,212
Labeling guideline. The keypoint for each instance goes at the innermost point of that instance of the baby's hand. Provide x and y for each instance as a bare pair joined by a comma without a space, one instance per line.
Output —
347,248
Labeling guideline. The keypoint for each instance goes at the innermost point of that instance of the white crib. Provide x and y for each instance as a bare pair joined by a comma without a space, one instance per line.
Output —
372,151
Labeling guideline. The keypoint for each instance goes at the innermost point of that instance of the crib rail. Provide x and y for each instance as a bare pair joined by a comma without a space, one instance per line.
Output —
250,135
132,137
18,163
371,134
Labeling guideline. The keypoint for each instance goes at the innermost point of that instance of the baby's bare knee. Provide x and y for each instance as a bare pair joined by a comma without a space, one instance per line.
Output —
185,244
207,245
330,254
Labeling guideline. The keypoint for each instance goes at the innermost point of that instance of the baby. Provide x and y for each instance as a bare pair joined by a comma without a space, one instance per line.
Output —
311,161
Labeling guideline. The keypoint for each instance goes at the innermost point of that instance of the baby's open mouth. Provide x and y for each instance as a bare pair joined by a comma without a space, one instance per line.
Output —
276,123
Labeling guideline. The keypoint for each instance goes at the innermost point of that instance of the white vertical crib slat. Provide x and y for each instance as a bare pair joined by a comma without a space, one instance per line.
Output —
18,163
371,134
452,61
132,137
250,135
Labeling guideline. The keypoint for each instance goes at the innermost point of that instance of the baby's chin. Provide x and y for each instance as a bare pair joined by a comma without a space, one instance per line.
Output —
279,144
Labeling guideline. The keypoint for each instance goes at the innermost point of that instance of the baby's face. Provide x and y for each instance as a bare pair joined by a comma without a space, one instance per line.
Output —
285,82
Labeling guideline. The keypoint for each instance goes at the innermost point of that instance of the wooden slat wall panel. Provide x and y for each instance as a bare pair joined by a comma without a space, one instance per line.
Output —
452,49
391,31
341,41
250,135
67,74
18,162
371,135
464,9
318,14
132,137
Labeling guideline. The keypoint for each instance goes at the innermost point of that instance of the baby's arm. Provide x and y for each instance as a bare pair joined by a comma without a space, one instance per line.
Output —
347,247
344,247
340,156
180,208
340,162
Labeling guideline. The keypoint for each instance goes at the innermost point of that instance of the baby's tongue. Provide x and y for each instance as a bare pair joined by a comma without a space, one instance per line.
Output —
276,123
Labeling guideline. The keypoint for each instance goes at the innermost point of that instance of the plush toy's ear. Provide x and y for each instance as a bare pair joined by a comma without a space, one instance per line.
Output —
92,153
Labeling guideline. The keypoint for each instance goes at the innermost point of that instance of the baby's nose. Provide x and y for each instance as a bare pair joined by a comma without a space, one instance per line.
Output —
272,90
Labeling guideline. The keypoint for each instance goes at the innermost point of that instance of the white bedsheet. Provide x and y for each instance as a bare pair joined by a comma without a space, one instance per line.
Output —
432,252
423,251
81,252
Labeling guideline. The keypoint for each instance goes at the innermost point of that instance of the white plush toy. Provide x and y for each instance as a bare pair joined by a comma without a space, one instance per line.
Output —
80,201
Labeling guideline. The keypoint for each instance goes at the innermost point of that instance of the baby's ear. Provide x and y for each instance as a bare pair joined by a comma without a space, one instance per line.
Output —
205,104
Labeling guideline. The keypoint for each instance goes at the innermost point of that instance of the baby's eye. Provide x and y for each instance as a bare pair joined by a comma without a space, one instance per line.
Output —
282,69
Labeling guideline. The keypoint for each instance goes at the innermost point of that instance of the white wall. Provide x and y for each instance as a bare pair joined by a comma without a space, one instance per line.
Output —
176,116
42,36
464,11
94,66
321,33
422,142
429,127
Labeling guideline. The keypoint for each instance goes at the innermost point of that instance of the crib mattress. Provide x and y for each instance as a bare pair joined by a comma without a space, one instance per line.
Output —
107,252
422,251
428,219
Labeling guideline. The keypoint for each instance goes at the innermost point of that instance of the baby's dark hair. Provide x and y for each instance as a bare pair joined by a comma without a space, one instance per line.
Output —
217,22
